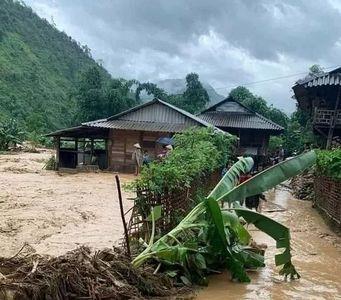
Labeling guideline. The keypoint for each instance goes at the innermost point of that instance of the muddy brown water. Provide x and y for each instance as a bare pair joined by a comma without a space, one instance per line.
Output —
316,254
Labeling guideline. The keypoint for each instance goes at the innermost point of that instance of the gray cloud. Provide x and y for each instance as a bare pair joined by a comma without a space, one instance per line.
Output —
227,42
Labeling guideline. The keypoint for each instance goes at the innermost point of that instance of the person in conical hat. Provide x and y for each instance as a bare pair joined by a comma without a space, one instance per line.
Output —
169,149
137,158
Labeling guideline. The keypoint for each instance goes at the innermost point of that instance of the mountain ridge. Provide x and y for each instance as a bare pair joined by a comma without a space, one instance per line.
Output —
39,67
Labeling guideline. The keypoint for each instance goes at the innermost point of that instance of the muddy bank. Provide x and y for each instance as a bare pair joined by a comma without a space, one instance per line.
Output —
54,212
316,255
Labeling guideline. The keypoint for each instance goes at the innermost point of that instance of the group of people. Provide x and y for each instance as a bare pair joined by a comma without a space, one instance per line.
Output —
142,158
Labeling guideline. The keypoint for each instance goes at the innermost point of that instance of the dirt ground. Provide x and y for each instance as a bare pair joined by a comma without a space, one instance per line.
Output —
55,212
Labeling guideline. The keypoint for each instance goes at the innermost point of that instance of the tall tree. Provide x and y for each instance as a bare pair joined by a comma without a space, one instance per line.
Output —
90,96
195,98
119,97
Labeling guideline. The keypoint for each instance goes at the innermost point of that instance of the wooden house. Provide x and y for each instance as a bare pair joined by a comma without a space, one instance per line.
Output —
108,143
253,129
319,96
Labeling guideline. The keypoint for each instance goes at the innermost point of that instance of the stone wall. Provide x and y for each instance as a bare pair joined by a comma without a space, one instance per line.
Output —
328,197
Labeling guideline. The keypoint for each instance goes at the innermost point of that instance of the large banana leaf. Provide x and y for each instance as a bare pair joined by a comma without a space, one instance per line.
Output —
278,232
231,178
270,177
215,213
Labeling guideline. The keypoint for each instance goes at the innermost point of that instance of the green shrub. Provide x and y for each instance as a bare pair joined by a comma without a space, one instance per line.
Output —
197,152
329,163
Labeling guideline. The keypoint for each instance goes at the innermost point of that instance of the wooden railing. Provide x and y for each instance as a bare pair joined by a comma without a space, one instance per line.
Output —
325,116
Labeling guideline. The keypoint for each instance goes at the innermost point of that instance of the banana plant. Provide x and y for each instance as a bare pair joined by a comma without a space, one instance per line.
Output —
210,237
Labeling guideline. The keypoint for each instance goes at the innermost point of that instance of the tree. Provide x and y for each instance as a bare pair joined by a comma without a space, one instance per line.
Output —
151,89
277,116
90,96
119,96
299,133
195,98
259,105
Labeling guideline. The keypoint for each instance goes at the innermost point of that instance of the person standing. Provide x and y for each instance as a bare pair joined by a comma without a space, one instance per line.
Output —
146,158
137,158
169,149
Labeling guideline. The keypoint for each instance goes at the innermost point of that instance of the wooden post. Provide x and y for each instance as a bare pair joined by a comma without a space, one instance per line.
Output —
57,141
333,121
122,214
76,148
91,150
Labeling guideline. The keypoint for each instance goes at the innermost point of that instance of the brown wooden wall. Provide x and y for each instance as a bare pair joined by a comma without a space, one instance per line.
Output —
121,147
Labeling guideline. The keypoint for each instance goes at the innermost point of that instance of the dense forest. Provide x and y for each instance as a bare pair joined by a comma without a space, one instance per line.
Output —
39,70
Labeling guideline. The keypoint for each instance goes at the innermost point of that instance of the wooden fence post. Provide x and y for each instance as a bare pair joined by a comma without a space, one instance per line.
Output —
122,215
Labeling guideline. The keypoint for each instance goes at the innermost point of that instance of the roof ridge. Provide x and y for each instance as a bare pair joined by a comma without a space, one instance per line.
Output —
155,100
132,109
122,120
247,108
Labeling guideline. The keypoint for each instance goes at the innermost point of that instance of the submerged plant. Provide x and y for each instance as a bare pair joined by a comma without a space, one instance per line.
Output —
211,237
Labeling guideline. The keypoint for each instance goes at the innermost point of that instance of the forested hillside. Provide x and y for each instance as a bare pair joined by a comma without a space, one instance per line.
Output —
39,70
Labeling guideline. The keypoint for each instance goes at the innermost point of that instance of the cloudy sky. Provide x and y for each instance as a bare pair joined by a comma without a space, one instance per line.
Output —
227,42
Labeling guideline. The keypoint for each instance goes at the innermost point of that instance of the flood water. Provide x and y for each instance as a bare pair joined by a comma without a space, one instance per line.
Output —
316,255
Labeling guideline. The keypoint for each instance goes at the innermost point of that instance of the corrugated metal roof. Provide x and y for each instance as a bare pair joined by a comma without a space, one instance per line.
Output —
145,126
233,114
328,78
155,115
239,120
156,110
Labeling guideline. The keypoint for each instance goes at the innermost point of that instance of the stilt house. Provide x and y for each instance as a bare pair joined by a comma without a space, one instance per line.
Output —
319,96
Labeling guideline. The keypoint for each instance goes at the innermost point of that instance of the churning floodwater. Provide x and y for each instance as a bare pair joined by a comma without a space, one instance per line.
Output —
316,255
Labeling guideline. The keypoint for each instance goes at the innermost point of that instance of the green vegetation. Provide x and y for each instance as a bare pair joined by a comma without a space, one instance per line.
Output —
195,97
210,238
98,97
197,152
10,134
329,163
39,70
49,81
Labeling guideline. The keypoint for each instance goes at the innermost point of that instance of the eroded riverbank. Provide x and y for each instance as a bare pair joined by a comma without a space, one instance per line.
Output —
316,254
